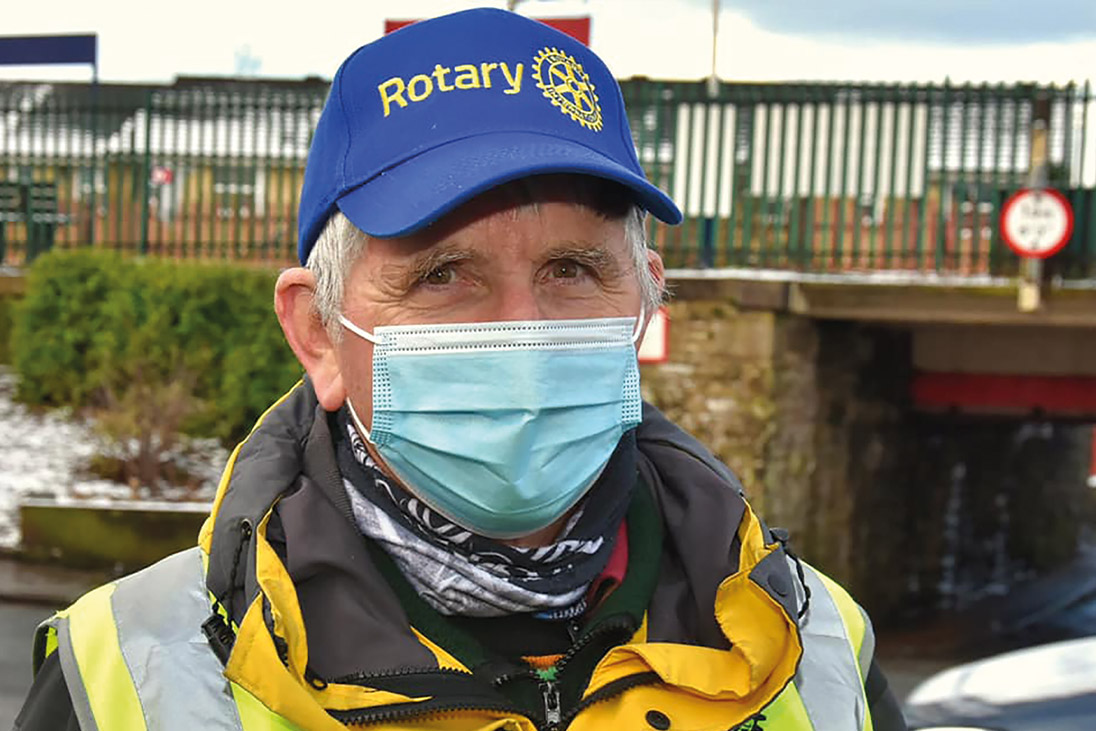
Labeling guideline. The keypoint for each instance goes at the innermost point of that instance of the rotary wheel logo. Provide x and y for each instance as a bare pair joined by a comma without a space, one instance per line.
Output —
567,86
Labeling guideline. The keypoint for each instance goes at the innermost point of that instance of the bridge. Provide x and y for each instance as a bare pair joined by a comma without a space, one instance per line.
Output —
848,328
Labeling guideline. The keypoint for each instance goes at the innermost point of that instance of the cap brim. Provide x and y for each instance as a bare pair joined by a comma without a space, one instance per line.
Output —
425,187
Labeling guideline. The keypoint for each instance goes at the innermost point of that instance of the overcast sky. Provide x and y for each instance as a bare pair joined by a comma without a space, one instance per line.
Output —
768,40
969,22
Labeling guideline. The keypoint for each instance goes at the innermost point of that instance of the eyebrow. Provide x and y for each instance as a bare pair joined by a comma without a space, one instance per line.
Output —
403,276
595,256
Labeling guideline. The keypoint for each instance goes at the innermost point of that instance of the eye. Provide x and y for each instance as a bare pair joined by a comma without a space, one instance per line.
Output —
440,276
566,269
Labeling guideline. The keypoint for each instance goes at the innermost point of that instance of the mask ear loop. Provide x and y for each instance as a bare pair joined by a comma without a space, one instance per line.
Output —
358,331
350,407
639,322
358,422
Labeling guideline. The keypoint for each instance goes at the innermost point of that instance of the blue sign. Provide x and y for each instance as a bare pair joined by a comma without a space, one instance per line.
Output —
36,50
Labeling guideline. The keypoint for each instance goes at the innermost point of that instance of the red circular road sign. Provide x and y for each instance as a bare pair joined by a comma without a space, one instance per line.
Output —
160,175
1036,222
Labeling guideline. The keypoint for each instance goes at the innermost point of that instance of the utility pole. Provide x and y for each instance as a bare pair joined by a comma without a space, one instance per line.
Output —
713,80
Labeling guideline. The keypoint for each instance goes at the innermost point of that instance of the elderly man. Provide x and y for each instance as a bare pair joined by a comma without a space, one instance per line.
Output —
464,517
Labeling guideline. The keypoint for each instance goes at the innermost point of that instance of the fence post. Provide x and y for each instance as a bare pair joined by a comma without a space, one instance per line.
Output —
707,242
93,205
146,173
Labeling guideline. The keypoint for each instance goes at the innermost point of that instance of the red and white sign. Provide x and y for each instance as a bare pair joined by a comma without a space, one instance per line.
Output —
655,347
1036,222
577,28
160,175
1092,469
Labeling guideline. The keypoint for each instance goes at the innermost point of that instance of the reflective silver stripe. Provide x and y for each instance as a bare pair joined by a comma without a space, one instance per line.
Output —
81,705
179,681
867,647
828,678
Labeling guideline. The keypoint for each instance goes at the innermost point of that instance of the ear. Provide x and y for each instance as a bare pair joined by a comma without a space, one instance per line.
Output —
294,295
658,271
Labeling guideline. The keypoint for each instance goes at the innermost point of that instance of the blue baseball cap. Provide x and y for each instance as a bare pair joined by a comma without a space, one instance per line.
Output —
430,116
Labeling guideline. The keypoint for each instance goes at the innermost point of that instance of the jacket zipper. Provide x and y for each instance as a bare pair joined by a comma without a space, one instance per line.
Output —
367,716
550,693
610,691
364,678
553,719
615,624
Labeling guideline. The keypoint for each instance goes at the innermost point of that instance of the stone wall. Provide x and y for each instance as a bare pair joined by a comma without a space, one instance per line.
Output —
860,487
796,409
718,382
814,416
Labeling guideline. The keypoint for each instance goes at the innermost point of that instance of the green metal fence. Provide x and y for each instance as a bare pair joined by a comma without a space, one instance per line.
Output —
201,169
811,177
838,177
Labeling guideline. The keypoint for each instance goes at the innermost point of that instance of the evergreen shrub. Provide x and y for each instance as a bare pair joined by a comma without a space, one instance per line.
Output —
159,345
7,305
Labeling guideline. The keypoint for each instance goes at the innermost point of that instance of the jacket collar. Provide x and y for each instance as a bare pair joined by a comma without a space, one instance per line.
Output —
717,626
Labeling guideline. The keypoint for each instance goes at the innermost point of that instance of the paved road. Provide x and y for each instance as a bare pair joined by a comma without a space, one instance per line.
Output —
17,623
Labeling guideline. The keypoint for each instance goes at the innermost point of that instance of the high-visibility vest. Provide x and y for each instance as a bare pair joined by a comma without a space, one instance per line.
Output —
134,657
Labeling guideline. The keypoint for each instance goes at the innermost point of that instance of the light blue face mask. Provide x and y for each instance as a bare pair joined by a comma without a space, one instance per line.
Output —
502,426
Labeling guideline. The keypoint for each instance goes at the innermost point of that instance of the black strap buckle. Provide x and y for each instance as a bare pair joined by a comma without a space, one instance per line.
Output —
220,636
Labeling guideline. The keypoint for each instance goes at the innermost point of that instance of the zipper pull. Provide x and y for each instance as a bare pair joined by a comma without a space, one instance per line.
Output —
551,703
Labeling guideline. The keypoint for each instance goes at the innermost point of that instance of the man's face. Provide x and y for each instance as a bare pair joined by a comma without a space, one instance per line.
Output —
496,258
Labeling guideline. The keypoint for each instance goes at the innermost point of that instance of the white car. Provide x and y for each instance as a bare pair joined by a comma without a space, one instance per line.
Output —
1045,688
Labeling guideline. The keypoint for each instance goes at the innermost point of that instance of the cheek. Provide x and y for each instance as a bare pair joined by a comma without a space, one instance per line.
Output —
356,365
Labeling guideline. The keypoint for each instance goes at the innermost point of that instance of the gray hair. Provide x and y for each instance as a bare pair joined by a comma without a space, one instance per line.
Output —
340,243
338,246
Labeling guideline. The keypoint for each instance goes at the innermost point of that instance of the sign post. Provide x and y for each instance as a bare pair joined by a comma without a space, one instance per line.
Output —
1030,294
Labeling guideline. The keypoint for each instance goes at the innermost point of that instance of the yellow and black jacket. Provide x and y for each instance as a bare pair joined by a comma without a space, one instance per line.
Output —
285,617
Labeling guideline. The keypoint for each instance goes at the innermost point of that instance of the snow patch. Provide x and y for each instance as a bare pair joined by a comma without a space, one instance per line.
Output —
42,455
